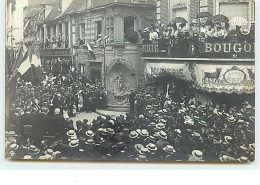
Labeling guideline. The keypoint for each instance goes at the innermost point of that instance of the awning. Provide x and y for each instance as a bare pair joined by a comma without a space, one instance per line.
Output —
216,77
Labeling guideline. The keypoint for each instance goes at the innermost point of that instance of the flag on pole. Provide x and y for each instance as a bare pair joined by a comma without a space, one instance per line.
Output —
19,56
25,69
91,53
34,56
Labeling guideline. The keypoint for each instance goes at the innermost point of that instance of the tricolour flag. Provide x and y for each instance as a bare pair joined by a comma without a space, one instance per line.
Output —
34,55
25,69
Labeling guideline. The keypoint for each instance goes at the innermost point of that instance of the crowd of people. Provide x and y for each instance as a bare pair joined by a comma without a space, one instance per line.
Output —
55,42
158,128
57,66
173,33
35,105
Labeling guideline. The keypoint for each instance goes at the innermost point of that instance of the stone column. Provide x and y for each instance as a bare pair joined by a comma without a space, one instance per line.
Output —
44,32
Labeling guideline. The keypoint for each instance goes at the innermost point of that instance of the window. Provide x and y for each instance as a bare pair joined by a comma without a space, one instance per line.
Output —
98,28
110,26
82,68
82,31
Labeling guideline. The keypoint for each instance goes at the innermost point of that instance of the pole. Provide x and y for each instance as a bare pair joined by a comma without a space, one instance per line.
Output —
198,17
105,51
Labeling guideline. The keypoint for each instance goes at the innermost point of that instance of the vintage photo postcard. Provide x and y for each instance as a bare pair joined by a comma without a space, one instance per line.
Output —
130,80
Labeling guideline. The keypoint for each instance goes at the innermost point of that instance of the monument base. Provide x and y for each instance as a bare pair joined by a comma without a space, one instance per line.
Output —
118,108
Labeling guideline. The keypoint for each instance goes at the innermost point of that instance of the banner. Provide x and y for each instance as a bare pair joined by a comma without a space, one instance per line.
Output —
217,77
225,78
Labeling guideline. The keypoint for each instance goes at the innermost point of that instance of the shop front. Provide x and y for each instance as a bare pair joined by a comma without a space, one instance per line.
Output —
57,61
220,69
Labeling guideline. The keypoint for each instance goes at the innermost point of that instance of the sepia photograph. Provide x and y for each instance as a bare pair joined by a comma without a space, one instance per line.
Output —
169,81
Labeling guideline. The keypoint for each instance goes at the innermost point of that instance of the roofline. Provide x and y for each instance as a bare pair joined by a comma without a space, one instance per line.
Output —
96,8
125,4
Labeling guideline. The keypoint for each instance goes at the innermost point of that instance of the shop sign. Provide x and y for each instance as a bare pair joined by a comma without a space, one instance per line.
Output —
55,52
225,78
235,48
178,70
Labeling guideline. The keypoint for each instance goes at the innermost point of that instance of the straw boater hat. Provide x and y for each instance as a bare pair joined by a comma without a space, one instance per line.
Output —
141,158
73,138
227,139
138,147
151,138
71,133
144,132
169,149
13,146
202,122
197,153
27,157
90,142
48,157
112,122
90,133
163,121
231,119
156,115
178,131
133,134
144,151
243,159
49,152
160,126
110,131
42,158
162,135
189,121
152,124
33,150
252,119
73,143
149,107
151,147
226,158
252,146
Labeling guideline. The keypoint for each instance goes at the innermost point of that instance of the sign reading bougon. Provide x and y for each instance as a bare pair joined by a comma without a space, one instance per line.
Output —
235,48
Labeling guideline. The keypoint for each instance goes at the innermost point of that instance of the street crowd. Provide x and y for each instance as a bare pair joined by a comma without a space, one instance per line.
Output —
158,128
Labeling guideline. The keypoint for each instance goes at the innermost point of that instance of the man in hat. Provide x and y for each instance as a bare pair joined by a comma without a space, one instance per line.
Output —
132,100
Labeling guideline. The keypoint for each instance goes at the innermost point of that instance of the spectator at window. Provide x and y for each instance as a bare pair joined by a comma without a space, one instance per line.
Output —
131,35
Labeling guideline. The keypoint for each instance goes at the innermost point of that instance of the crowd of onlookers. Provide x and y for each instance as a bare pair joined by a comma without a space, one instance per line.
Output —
174,33
54,42
158,128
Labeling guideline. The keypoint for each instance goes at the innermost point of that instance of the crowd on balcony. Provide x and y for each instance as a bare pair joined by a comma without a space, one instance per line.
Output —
204,30
55,42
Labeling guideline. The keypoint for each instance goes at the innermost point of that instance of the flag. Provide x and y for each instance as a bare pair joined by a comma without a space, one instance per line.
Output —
25,69
34,57
91,53
19,56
